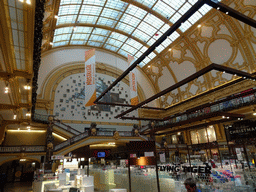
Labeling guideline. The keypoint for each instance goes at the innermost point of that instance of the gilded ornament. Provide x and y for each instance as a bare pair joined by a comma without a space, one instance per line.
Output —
49,146
116,135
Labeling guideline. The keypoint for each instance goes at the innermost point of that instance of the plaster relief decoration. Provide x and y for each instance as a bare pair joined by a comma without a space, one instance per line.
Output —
70,100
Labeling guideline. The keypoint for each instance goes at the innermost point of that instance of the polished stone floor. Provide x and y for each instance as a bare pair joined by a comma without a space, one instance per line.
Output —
18,187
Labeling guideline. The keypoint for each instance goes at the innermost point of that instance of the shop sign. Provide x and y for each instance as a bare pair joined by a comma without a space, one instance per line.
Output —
193,169
243,130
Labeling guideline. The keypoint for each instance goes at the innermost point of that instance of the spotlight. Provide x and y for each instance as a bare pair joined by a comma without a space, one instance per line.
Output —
218,8
56,16
198,26
227,13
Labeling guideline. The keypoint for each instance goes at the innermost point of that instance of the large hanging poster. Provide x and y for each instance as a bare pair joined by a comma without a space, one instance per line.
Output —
133,83
90,69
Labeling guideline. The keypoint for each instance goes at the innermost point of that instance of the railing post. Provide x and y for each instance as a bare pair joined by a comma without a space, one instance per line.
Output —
49,144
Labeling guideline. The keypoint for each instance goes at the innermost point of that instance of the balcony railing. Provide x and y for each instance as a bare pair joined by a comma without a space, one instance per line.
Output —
22,149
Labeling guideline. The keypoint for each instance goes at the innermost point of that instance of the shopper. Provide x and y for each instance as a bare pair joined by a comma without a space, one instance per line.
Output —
190,185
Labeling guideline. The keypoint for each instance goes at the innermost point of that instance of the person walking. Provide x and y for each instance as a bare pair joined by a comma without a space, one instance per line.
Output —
190,185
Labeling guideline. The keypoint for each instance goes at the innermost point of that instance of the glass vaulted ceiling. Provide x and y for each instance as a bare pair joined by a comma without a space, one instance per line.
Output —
119,26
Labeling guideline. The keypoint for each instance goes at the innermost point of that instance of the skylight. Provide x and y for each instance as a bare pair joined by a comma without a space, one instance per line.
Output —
122,27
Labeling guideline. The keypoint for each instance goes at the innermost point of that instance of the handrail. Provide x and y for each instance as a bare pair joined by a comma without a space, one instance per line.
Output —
224,106
19,149
86,134
44,119
67,127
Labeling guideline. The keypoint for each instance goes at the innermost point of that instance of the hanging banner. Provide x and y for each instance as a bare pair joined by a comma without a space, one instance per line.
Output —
90,69
133,83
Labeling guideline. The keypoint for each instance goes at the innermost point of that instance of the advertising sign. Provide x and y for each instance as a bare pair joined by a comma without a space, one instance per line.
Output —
90,70
133,83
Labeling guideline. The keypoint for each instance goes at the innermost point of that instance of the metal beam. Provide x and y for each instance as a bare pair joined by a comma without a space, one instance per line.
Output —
173,28
203,71
127,105
231,12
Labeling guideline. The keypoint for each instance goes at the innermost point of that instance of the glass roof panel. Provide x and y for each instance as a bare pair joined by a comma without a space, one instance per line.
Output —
136,11
87,19
152,55
122,52
69,10
146,28
63,2
110,13
80,36
134,43
99,31
129,19
110,47
77,42
61,37
118,36
83,29
185,8
97,38
60,43
94,2
66,19
195,17
125,27
116,4
157,22
63,30
141,35
160,48
129,49
106,21
164,9
185,26
90,10
120,26
94,43
114,42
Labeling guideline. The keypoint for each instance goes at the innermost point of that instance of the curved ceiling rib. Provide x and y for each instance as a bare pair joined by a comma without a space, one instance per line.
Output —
121,26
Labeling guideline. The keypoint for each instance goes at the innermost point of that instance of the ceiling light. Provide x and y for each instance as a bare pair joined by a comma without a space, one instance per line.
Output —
227,13
14,116
235,75
51,43
218,8
198,26
28,2
21,1
223,117
56,16
238,118
6,89
227,117
254,113
22,159
27,87
28,127
74,28
224,71
149,66
170,49
28,114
